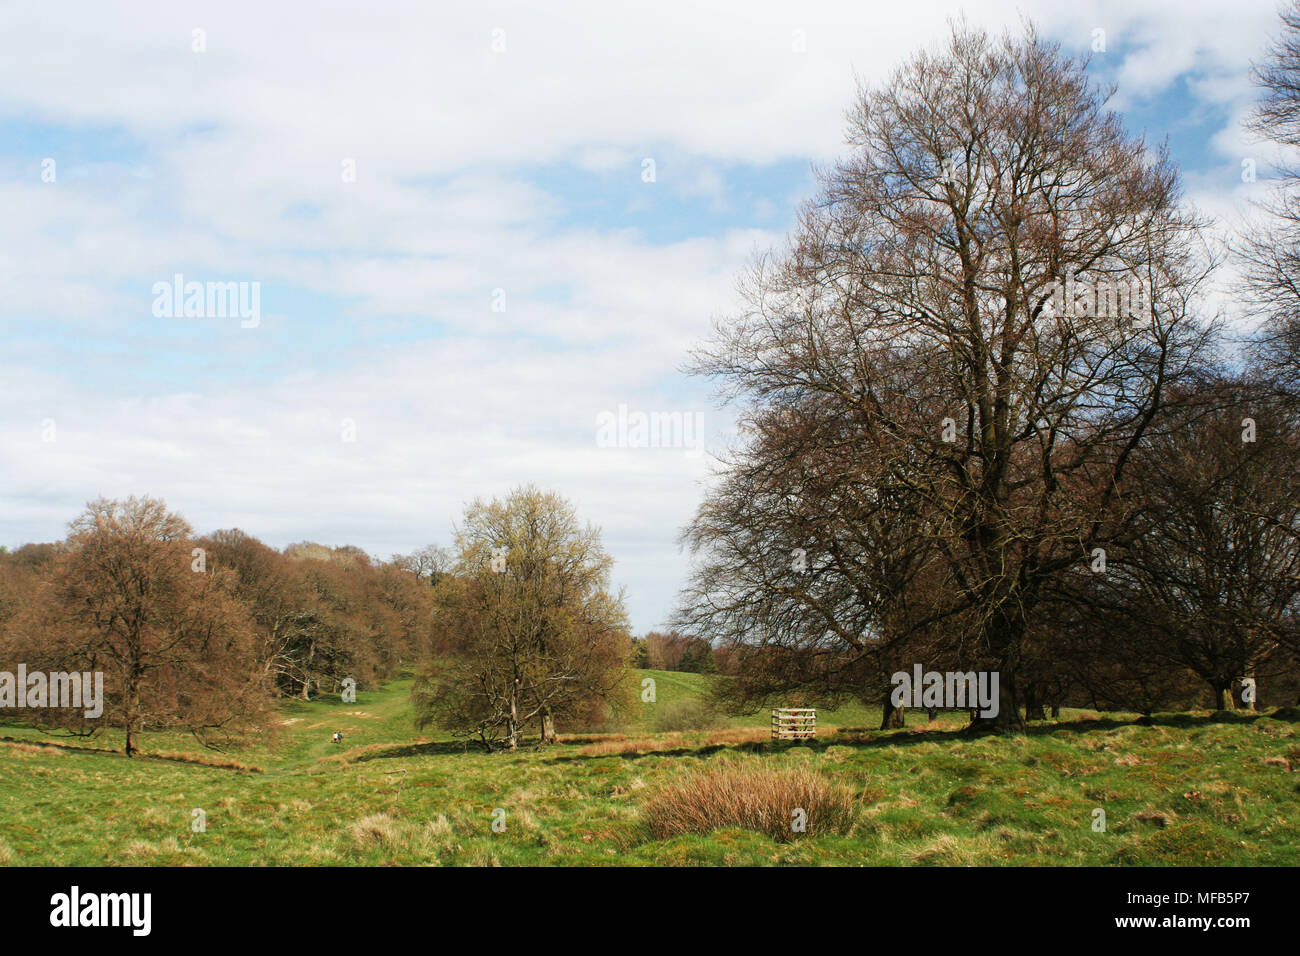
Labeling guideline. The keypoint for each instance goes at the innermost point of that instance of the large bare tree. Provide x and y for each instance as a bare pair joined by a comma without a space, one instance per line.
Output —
966,301
1270,251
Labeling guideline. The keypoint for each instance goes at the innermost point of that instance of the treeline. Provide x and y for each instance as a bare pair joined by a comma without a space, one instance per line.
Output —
514,627
673,651
204,632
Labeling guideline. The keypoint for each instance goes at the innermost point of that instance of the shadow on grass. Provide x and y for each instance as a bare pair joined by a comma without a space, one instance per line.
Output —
843,737
197,760
432,748
703,750
39,742
863,738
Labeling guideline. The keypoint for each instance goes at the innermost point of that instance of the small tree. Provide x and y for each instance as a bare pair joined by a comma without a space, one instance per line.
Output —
526,628
428,564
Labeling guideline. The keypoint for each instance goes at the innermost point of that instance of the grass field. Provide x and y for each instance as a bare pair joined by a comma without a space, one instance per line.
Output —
1184,789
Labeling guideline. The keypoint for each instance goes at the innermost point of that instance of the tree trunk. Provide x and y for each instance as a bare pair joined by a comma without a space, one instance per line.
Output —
306,673
1007,720
1005,638
1223,695
512,722
1035,709
891,717
132,706
548,728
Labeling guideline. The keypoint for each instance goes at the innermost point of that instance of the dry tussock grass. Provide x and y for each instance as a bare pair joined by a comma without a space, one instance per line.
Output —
29,750
950,850
385,832
204,760
377,829
753,796
618,744
1156,818
144,850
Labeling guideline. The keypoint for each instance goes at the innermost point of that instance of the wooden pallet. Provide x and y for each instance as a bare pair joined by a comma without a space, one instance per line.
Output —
794,723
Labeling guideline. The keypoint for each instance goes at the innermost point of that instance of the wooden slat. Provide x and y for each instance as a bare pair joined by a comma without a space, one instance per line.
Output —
794,723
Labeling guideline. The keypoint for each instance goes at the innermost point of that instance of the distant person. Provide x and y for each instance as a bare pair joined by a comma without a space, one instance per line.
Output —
338,737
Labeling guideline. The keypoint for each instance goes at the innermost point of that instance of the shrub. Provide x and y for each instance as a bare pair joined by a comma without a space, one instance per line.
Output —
752,796
686,715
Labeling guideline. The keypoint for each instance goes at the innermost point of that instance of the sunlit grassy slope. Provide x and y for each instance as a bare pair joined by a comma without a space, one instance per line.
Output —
1183,790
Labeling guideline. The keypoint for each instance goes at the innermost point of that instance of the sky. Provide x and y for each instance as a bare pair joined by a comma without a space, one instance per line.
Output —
475,231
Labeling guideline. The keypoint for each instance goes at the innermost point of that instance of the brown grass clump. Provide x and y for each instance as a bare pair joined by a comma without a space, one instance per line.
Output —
752,796
29,750
619,744
204,760
1156,818
378,829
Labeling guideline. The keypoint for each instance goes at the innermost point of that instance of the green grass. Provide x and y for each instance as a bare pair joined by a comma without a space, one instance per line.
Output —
675,687
1184,790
